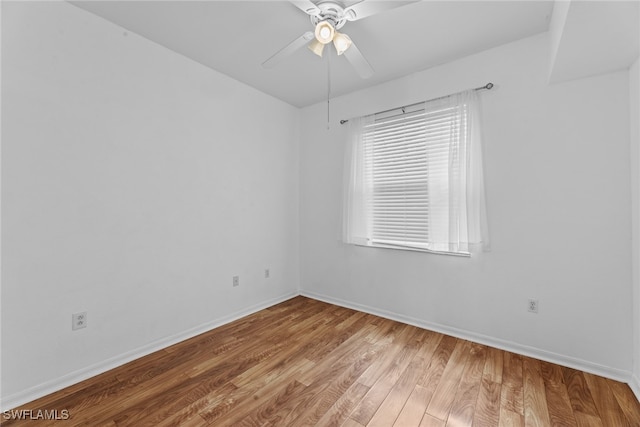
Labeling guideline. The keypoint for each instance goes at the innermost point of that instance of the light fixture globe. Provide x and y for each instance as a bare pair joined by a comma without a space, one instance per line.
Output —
316,47
324,32
342,42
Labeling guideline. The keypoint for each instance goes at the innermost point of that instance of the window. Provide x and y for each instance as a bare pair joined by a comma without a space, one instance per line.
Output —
414,178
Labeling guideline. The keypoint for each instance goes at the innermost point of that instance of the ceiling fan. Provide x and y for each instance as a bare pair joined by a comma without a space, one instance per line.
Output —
327,17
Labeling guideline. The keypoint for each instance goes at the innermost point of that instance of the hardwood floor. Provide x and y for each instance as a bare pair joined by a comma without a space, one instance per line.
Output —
305,363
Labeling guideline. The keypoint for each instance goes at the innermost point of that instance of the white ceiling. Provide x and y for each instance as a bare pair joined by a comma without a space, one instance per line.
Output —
593,37
235,37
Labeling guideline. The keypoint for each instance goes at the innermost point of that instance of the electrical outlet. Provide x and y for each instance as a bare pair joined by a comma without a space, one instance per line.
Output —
532,305
266,273
78,320
236,280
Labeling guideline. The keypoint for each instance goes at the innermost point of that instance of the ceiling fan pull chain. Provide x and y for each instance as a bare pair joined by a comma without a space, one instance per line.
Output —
328,88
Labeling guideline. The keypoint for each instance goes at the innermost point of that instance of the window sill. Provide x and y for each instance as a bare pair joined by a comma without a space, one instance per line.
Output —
412,249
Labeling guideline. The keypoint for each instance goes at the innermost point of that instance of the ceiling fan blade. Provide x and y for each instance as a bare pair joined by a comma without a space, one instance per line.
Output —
288,49
367,8
307,6
355,57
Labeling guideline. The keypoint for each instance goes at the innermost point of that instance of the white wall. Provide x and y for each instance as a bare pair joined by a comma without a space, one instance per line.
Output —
558,183
135,184
634,114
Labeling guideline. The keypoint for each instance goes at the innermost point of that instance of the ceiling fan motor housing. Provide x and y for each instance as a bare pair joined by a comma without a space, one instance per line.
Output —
331,12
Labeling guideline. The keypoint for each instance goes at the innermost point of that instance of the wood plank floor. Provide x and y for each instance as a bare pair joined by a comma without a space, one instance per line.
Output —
305,363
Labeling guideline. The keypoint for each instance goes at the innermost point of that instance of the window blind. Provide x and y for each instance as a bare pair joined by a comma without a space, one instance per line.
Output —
409,159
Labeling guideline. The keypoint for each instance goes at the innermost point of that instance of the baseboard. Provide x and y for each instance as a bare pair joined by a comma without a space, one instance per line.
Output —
583,365
57,384
634,383
41,390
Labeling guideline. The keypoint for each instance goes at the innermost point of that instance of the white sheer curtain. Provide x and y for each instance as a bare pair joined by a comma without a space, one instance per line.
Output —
451,148
356,224
458,221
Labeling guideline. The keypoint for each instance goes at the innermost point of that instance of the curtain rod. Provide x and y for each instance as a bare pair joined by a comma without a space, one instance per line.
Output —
488,86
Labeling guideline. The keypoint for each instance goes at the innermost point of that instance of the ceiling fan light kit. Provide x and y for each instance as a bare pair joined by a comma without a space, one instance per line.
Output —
325,34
